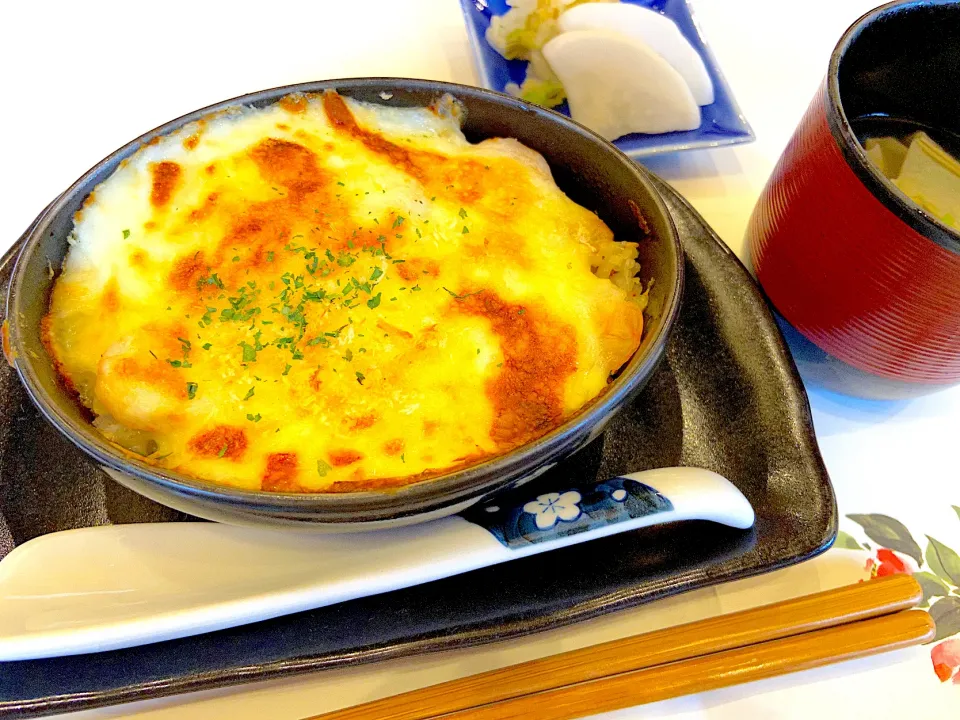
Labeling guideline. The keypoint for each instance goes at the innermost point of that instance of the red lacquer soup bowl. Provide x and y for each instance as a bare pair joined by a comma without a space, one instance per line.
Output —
866,283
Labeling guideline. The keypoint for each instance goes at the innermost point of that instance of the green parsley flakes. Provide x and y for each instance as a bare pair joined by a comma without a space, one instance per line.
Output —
192,390
323,468
374,301
254,418
126,234
249,393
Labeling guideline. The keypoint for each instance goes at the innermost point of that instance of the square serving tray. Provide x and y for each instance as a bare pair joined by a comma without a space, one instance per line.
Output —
727,398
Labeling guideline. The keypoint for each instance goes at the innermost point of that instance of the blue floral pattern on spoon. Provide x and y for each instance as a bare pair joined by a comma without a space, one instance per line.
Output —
558,514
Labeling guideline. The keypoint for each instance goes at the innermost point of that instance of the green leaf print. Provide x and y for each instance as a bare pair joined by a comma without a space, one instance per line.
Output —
932,586
943,561
847,542
889,533
946,614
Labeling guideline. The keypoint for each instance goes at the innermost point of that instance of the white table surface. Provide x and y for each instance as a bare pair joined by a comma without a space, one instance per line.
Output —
81,78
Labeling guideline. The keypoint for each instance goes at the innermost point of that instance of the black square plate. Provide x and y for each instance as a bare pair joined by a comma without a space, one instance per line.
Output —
727,398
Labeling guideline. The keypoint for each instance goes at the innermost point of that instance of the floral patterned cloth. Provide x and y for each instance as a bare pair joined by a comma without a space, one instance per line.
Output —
936,568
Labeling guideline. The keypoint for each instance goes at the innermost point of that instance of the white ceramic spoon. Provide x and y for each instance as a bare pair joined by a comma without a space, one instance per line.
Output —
118,586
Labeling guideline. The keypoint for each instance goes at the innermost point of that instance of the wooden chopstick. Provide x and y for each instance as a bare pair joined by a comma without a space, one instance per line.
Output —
770,640
731,667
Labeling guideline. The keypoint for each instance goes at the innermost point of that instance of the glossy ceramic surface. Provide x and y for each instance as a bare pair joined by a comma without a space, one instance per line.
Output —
727,398
723,123
849,262
584,166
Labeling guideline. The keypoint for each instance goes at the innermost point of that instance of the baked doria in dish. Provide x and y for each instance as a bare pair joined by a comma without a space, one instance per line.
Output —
325,295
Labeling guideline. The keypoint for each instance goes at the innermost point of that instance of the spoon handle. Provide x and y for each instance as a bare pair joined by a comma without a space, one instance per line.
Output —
118,586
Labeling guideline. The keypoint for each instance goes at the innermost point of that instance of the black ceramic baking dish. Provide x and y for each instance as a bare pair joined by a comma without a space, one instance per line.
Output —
587,168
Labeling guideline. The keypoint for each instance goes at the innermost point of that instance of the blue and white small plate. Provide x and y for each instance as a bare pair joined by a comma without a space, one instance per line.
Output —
723,123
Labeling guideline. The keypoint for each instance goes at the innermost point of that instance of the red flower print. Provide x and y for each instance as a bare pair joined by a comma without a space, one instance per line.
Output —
946,660
890,564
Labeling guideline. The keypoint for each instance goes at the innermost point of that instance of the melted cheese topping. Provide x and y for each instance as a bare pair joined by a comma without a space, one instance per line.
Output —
325,295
